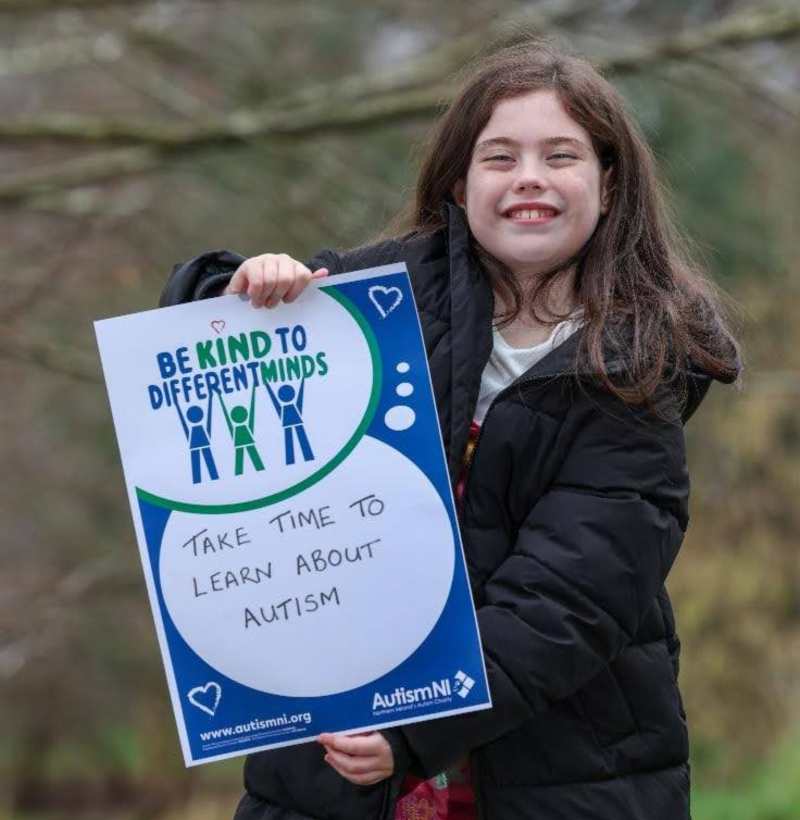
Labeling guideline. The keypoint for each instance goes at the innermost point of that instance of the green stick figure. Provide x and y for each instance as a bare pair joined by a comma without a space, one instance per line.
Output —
240,425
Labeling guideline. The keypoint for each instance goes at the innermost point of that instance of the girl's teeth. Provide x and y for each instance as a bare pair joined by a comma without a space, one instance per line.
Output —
531,214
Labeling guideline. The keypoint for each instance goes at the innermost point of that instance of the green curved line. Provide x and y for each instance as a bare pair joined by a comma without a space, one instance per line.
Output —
372,405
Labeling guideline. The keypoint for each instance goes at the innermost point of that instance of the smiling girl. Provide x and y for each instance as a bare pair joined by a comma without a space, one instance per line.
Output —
533,194
569,339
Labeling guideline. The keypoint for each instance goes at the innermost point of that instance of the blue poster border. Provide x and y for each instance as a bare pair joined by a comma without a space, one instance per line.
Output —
247,720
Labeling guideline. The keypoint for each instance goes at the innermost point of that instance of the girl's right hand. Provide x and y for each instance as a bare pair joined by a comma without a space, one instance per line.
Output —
271,278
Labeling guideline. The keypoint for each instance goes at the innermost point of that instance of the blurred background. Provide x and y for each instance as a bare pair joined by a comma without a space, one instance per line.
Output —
136,134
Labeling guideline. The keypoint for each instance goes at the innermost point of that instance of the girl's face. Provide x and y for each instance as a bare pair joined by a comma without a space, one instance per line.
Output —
534,190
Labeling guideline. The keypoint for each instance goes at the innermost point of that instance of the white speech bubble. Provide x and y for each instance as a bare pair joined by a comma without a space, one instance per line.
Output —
386,601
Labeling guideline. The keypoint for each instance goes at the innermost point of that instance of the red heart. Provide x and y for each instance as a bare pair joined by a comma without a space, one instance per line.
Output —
218,325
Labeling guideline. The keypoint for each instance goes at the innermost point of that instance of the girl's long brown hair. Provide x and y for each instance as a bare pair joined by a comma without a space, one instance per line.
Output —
645,302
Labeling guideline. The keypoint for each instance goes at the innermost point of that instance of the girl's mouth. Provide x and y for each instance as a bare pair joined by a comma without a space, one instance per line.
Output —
531,212
541,213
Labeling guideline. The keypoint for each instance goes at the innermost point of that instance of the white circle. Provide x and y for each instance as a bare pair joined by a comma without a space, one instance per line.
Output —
403,367
399,417
405,389
337,647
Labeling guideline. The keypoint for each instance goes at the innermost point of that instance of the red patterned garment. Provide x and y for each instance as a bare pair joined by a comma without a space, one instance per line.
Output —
474,432
449,795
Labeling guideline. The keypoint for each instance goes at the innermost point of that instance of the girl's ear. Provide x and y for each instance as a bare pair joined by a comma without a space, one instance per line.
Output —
606,190
459,190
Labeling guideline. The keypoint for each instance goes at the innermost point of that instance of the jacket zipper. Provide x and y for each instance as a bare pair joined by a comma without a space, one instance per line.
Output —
383,814
473,757
474,767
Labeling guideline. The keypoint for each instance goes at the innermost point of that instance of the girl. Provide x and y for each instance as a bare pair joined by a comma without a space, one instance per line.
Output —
569,339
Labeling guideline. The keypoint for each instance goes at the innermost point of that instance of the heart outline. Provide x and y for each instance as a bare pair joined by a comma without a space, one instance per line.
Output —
221,323
209,710
376,289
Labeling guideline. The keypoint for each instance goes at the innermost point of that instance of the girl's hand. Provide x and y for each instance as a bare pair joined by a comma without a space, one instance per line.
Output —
363,759
271,278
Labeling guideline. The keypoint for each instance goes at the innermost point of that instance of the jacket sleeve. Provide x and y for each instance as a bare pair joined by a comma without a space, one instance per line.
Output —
586,565
200,278
295,783
207,275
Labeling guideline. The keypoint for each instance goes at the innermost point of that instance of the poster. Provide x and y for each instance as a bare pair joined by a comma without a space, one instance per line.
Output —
294,515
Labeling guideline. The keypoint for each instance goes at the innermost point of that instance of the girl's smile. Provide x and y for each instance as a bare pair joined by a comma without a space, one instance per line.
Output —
531,213
534,190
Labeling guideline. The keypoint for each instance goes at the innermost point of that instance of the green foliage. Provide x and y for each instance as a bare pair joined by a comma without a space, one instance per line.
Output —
715,179
770,792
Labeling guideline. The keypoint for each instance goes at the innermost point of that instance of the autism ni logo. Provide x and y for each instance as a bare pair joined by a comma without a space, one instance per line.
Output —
463,684
439,691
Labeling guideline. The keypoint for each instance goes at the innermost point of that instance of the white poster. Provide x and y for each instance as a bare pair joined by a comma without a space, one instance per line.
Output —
294,514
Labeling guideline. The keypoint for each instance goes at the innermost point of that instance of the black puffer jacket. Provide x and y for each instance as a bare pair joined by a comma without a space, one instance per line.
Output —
574,511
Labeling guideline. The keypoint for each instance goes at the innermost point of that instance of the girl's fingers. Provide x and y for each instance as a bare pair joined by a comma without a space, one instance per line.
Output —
238,283
262,275
367,779
271,271
271,278
352,765
302,276
284,279
368,744
361,776
364,758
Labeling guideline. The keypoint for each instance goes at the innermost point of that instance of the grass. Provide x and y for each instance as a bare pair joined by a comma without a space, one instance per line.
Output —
771,791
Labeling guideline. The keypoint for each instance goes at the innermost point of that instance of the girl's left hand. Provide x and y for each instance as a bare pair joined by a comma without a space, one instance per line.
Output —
363,759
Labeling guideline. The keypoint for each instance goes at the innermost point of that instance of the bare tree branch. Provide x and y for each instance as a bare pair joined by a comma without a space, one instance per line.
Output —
48,277
61,54
777,23
49,608
16,346
29,7
359,102
155,86
436,66
355,109
729,69
15,188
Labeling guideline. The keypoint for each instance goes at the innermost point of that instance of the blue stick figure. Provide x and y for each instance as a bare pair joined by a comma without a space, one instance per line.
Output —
290,412
198,437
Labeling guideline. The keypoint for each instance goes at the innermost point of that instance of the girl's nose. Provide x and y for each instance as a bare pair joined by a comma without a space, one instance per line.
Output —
530,178
529,184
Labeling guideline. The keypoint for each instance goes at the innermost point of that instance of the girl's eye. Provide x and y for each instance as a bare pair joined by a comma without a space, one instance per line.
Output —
499,158
562,155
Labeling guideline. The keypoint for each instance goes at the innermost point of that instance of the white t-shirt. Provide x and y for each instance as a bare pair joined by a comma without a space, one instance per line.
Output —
507,363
